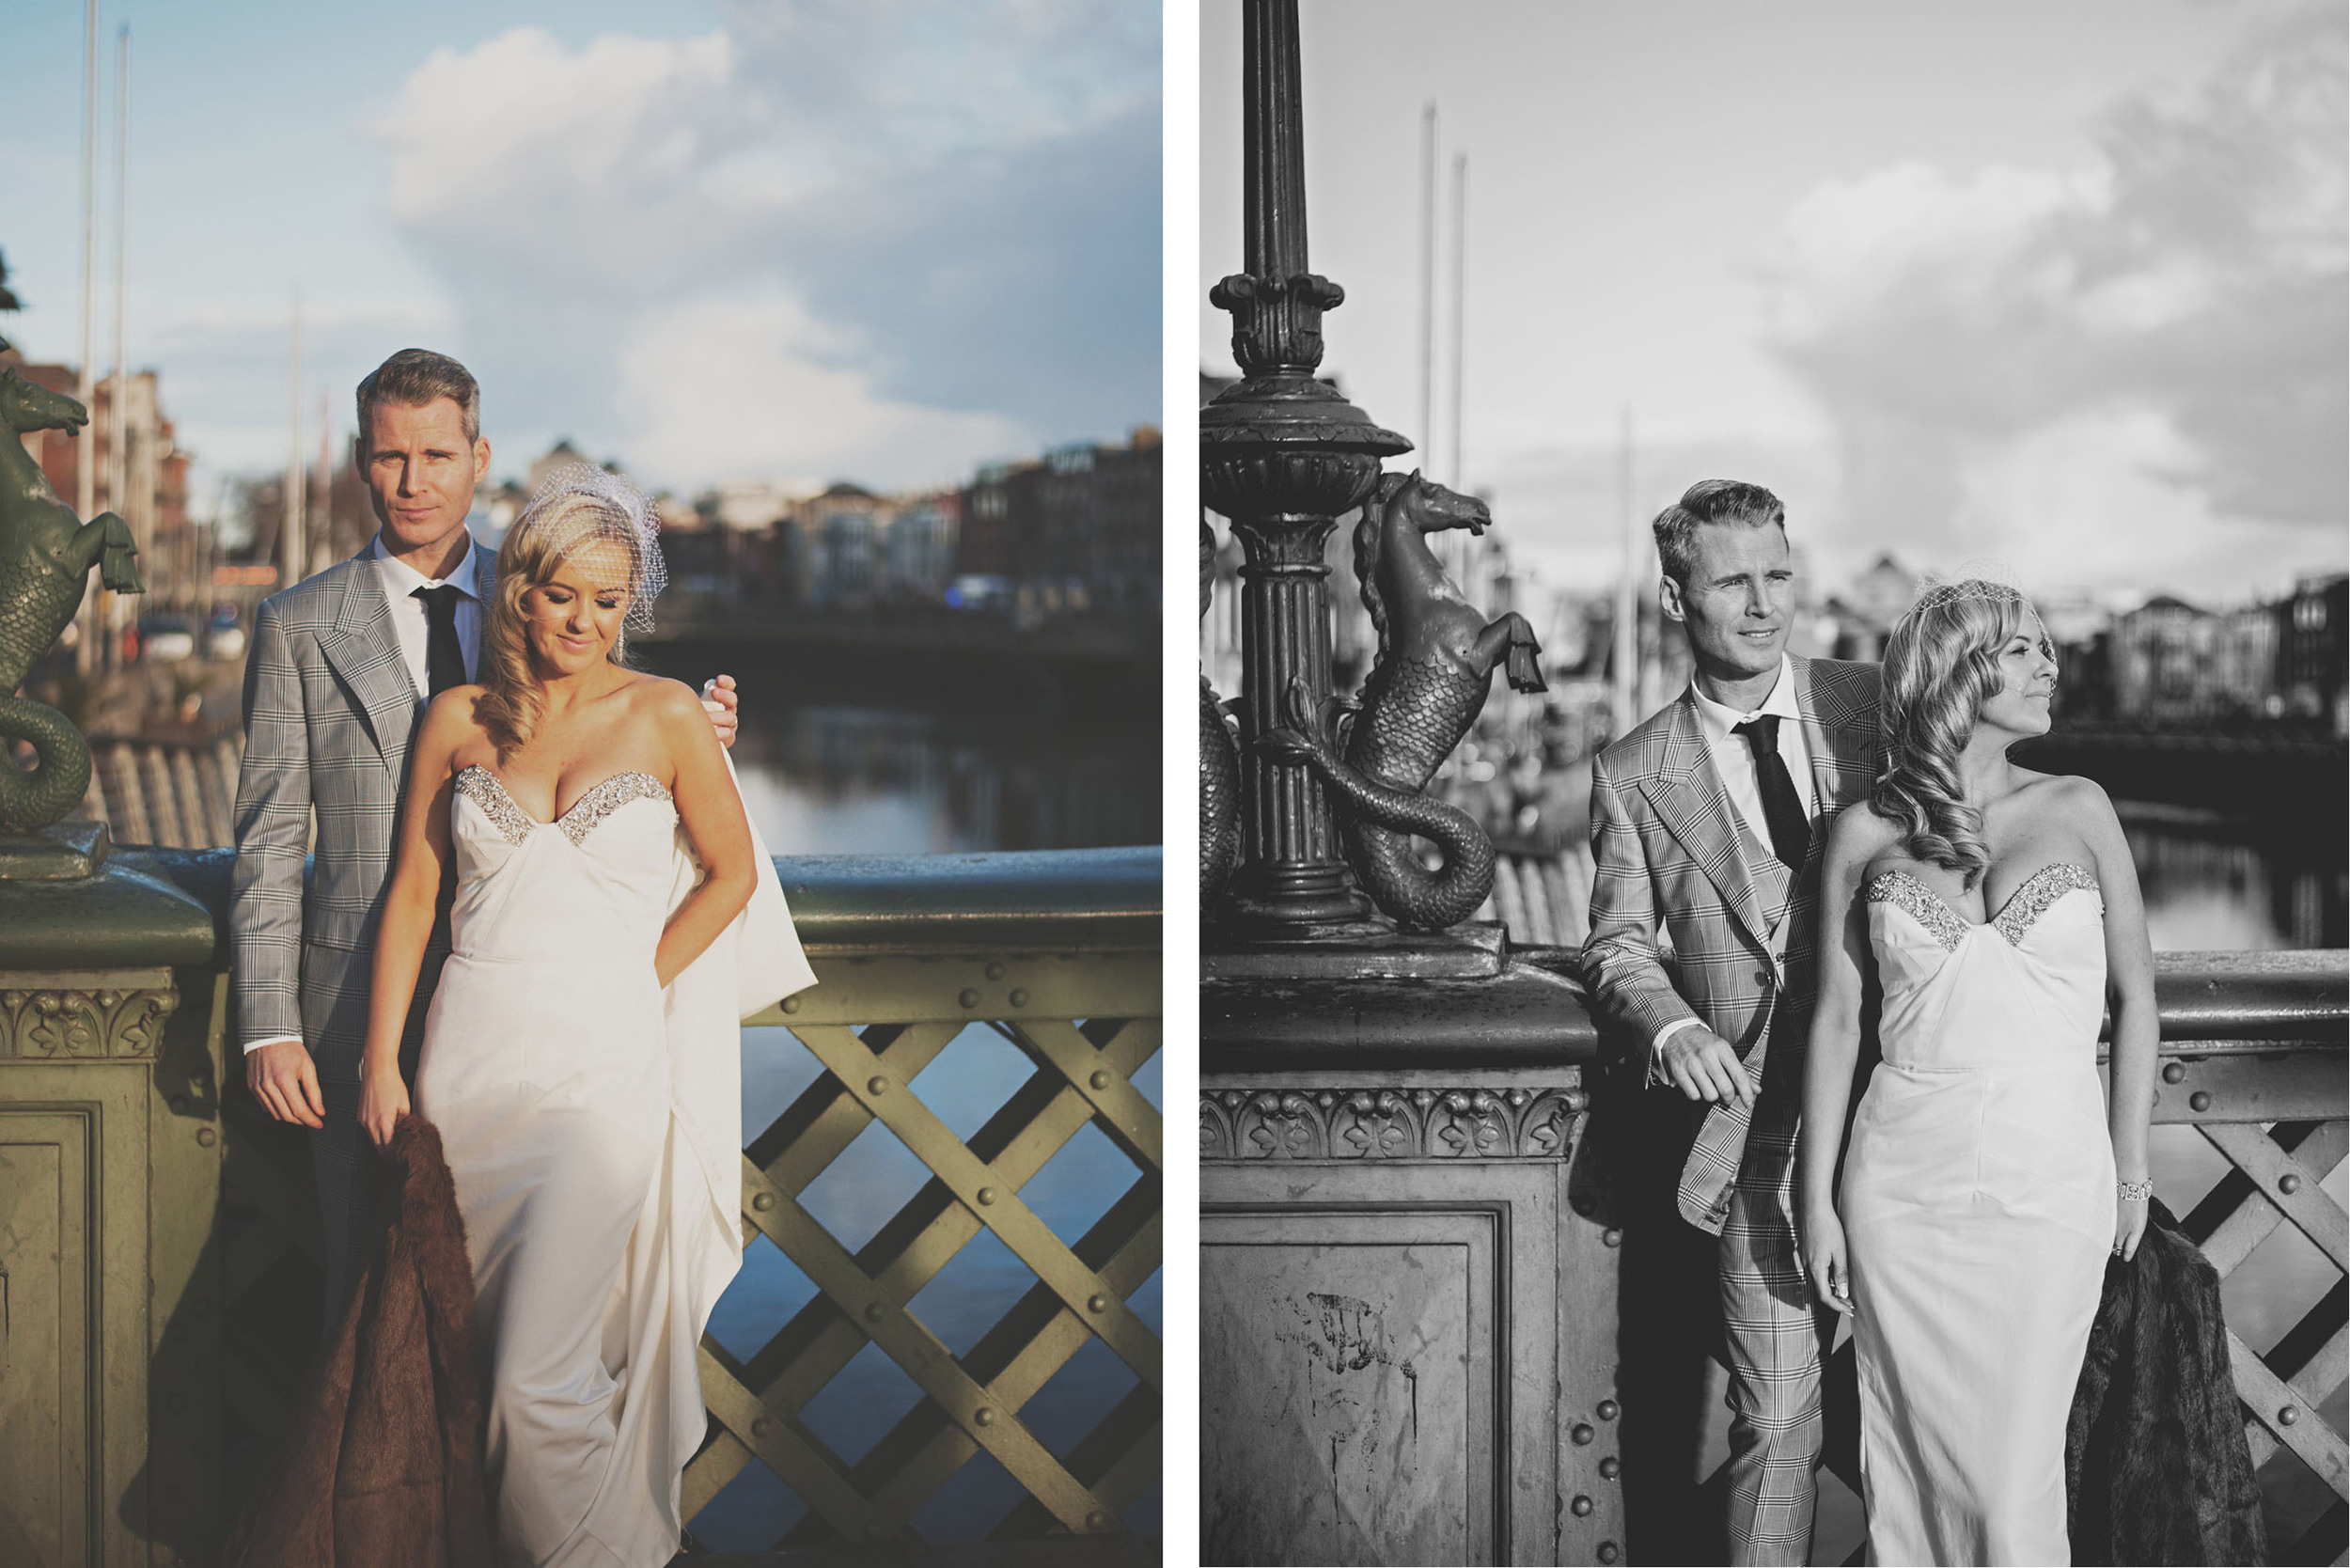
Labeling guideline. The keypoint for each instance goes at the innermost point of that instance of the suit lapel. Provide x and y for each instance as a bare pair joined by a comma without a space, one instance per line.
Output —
1843,749
1690,800
364,652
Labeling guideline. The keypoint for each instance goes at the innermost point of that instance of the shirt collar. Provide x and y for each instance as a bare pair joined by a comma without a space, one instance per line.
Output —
401,579
1718,721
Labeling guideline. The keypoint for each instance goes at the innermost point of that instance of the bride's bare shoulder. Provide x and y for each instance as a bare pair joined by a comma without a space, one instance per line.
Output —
659,701
1858,834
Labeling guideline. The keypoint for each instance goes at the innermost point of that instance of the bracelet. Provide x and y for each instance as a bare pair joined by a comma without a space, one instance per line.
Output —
2134,1192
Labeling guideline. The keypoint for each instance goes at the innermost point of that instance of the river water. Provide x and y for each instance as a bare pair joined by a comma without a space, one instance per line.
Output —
861,770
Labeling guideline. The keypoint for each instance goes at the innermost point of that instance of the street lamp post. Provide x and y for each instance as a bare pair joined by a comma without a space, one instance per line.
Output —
1283,456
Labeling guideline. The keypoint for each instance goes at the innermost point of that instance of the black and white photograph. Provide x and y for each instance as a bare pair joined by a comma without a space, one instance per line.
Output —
1772,782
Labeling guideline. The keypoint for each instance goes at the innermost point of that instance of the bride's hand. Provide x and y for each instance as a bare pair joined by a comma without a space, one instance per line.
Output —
2129,1226
1823,1261
383,1101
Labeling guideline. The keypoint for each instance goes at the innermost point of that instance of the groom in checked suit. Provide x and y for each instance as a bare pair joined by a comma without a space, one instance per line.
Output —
340,668
1708,819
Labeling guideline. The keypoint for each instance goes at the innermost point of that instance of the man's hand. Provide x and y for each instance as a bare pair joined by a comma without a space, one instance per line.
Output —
1702,1066
282,1078
720,701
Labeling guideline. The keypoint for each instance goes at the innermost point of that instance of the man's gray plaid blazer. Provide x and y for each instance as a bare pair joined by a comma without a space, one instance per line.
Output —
1669,849
329,705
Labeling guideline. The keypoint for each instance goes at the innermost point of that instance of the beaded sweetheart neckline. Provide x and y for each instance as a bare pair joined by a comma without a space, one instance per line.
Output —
599,801
2025,905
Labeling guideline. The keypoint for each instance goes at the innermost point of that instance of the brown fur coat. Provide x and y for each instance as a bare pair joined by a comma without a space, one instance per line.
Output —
384,1455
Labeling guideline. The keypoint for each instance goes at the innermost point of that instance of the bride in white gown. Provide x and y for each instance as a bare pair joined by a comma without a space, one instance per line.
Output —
1989,1174
580,1057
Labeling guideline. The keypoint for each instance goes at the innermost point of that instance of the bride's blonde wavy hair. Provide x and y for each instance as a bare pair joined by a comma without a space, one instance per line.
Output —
1941,663
570,513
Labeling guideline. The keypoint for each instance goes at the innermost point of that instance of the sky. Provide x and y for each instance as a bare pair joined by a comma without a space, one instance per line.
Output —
867,239
2056,287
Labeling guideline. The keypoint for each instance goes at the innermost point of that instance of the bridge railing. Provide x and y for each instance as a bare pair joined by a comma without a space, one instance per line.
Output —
1350,1118
918,957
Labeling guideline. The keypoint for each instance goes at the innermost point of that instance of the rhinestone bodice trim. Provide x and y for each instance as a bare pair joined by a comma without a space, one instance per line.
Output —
2023,907
514,824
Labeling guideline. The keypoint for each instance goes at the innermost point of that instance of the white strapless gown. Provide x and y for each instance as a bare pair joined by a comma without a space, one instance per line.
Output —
591,1122
1978,1206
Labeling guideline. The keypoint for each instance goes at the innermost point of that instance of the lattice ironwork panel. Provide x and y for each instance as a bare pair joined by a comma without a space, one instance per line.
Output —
2275,1112
1086,1025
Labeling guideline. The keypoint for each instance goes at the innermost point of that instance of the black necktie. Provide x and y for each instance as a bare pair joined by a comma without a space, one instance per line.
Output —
444,661
1791,830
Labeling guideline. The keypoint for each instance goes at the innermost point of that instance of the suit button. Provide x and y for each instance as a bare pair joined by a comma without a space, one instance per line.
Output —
1761,976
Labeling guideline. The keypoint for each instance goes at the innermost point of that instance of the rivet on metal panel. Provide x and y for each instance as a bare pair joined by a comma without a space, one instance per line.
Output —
1611,1237
987,1194
984,1415
1609,1410
2289,1183
206,1136
1608,1551
1610,1467
2199,1100
995,971
1581,1506
970,997
877,1085
790,1004
760,1426
1019,998
2289,1415
762,1201
1097,1303
2174,1072
1100,1080
1097,1520
1583,1432
874,1312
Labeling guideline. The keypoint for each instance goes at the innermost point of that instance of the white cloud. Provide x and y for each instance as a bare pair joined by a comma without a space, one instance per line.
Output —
746,391
2145,354
832,223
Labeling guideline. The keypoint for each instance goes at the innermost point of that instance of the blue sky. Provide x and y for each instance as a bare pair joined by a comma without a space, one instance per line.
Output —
801,242
2061,286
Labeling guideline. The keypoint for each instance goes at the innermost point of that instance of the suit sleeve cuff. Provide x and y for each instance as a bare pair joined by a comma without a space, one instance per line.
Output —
1655,1047
253,1045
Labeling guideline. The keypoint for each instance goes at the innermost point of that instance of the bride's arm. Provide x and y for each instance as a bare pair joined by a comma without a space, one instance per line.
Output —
2130,992
405,923
711,809
1853,838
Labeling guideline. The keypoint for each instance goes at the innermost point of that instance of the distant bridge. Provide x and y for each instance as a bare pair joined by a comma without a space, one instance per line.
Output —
2245,774
1094,638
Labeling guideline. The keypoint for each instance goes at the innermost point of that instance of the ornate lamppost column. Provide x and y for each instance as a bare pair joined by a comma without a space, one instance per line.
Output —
1283,456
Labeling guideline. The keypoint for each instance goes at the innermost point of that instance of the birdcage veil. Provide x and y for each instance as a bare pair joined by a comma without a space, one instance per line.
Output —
578,506
1981,578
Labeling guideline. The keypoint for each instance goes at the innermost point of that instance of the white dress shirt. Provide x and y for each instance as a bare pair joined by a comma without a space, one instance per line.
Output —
1733,759
411,625
412,629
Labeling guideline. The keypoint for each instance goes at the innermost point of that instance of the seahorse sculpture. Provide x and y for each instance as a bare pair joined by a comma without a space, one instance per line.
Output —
1219,764
1437,653
45,556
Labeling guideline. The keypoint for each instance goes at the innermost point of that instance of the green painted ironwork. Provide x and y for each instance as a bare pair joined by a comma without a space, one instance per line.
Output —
159,1238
